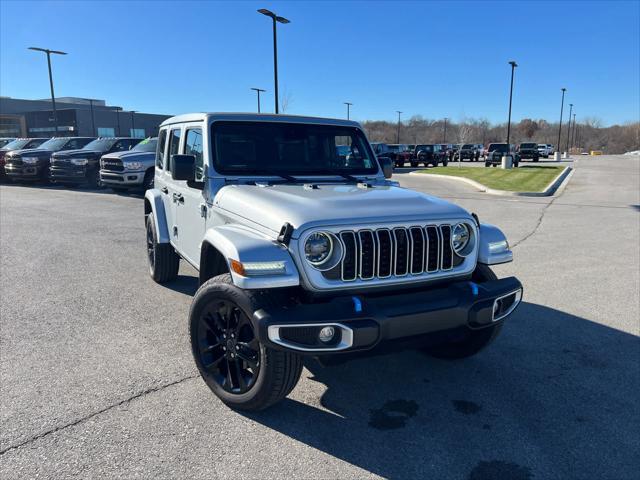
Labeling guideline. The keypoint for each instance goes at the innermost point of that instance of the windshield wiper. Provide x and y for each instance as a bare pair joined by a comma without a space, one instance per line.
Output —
284,176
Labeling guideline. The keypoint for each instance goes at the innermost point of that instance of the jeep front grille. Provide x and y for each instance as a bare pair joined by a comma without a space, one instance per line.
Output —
395,252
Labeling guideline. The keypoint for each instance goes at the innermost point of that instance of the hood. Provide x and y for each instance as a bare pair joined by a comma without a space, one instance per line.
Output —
131,155
81,153
332,204
30,151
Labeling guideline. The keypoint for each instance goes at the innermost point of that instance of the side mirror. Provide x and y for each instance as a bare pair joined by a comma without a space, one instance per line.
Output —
183,167
387,166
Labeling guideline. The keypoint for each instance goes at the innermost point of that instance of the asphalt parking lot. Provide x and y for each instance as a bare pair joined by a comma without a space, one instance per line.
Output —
97,378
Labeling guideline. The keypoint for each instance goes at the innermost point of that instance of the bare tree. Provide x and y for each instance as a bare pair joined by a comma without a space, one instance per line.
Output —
286,99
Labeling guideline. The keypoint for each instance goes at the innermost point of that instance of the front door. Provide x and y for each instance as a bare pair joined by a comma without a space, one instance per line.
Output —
191,206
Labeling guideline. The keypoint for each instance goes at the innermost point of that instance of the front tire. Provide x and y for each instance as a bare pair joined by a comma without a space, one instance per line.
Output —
242,372
164,262
474,340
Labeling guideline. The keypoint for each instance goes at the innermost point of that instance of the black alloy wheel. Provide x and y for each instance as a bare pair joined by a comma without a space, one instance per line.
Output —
228,349
151,245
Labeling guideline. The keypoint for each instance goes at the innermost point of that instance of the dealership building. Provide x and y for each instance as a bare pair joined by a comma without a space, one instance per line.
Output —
77,117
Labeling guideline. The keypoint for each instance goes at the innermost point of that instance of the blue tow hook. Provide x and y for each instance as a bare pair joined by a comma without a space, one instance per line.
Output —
474,288
357,304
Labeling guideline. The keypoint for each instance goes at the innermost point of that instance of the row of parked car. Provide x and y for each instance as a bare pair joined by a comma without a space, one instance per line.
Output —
118,162
443,153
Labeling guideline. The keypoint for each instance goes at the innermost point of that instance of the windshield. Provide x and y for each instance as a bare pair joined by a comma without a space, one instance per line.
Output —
528,145
146,145
16,144
274,148
100,144
498,147
394,148
54,144
426,148
467,146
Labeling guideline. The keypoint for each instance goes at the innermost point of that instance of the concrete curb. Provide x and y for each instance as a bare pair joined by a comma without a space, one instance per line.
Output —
553,186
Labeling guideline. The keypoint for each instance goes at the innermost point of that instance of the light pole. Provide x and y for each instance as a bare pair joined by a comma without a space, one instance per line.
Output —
275,19
513,68
444,136
573,132
53,97
569,131
560,126
348,104
258,90
398,135
133,124
93,119
118,110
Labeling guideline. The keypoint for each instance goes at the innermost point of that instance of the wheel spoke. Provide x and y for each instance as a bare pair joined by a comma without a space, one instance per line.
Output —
210,348
241,381
213,364
252,363
229,379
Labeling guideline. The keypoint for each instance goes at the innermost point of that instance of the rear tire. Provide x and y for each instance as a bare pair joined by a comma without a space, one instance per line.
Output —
239,370
474,340
164,262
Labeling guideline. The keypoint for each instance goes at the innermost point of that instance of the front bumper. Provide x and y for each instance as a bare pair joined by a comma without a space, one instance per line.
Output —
70,174
26,171
365,322
124,178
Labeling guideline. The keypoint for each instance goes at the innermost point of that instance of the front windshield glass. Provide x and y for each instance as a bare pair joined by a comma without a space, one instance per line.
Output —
528,145
146,145
16,144
467,146
273,148
498,147
426,148
100,144
394,148
54,144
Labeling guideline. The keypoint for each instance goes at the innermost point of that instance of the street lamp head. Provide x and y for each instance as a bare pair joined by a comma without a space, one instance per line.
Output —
513,63
563,89
258,89
347,103
266,12
46,50
282,20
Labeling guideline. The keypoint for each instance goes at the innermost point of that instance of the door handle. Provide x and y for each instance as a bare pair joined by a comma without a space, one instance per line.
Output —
203,210
164,190
177,197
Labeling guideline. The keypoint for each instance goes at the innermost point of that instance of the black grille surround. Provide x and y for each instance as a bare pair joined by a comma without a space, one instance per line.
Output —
392,255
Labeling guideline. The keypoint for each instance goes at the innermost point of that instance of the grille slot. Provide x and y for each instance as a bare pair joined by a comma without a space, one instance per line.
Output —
397,252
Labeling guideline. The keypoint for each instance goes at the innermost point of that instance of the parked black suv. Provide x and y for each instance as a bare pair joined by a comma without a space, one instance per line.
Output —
496,151
529,150
468,151
33,163
83,166
429,154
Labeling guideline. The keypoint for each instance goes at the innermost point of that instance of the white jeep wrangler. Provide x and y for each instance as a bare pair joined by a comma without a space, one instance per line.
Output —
304,247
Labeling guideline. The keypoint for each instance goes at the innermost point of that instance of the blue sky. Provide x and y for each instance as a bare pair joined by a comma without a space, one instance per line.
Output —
435,59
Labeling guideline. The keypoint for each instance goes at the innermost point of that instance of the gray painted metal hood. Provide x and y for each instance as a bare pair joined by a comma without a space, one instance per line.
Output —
331,204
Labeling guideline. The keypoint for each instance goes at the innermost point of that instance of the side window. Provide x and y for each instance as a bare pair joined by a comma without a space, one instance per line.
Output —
162,141
193,146
174,145
73,144
119,146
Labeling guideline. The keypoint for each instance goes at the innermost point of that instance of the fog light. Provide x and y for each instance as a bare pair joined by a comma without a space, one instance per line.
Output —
326,334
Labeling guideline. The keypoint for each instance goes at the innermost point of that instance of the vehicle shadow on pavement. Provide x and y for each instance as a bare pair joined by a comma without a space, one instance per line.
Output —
554,396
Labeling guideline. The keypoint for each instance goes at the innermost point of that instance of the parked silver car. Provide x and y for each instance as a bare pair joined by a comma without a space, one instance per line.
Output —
300,253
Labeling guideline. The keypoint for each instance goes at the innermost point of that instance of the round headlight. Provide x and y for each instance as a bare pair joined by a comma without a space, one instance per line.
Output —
318,248
460,237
